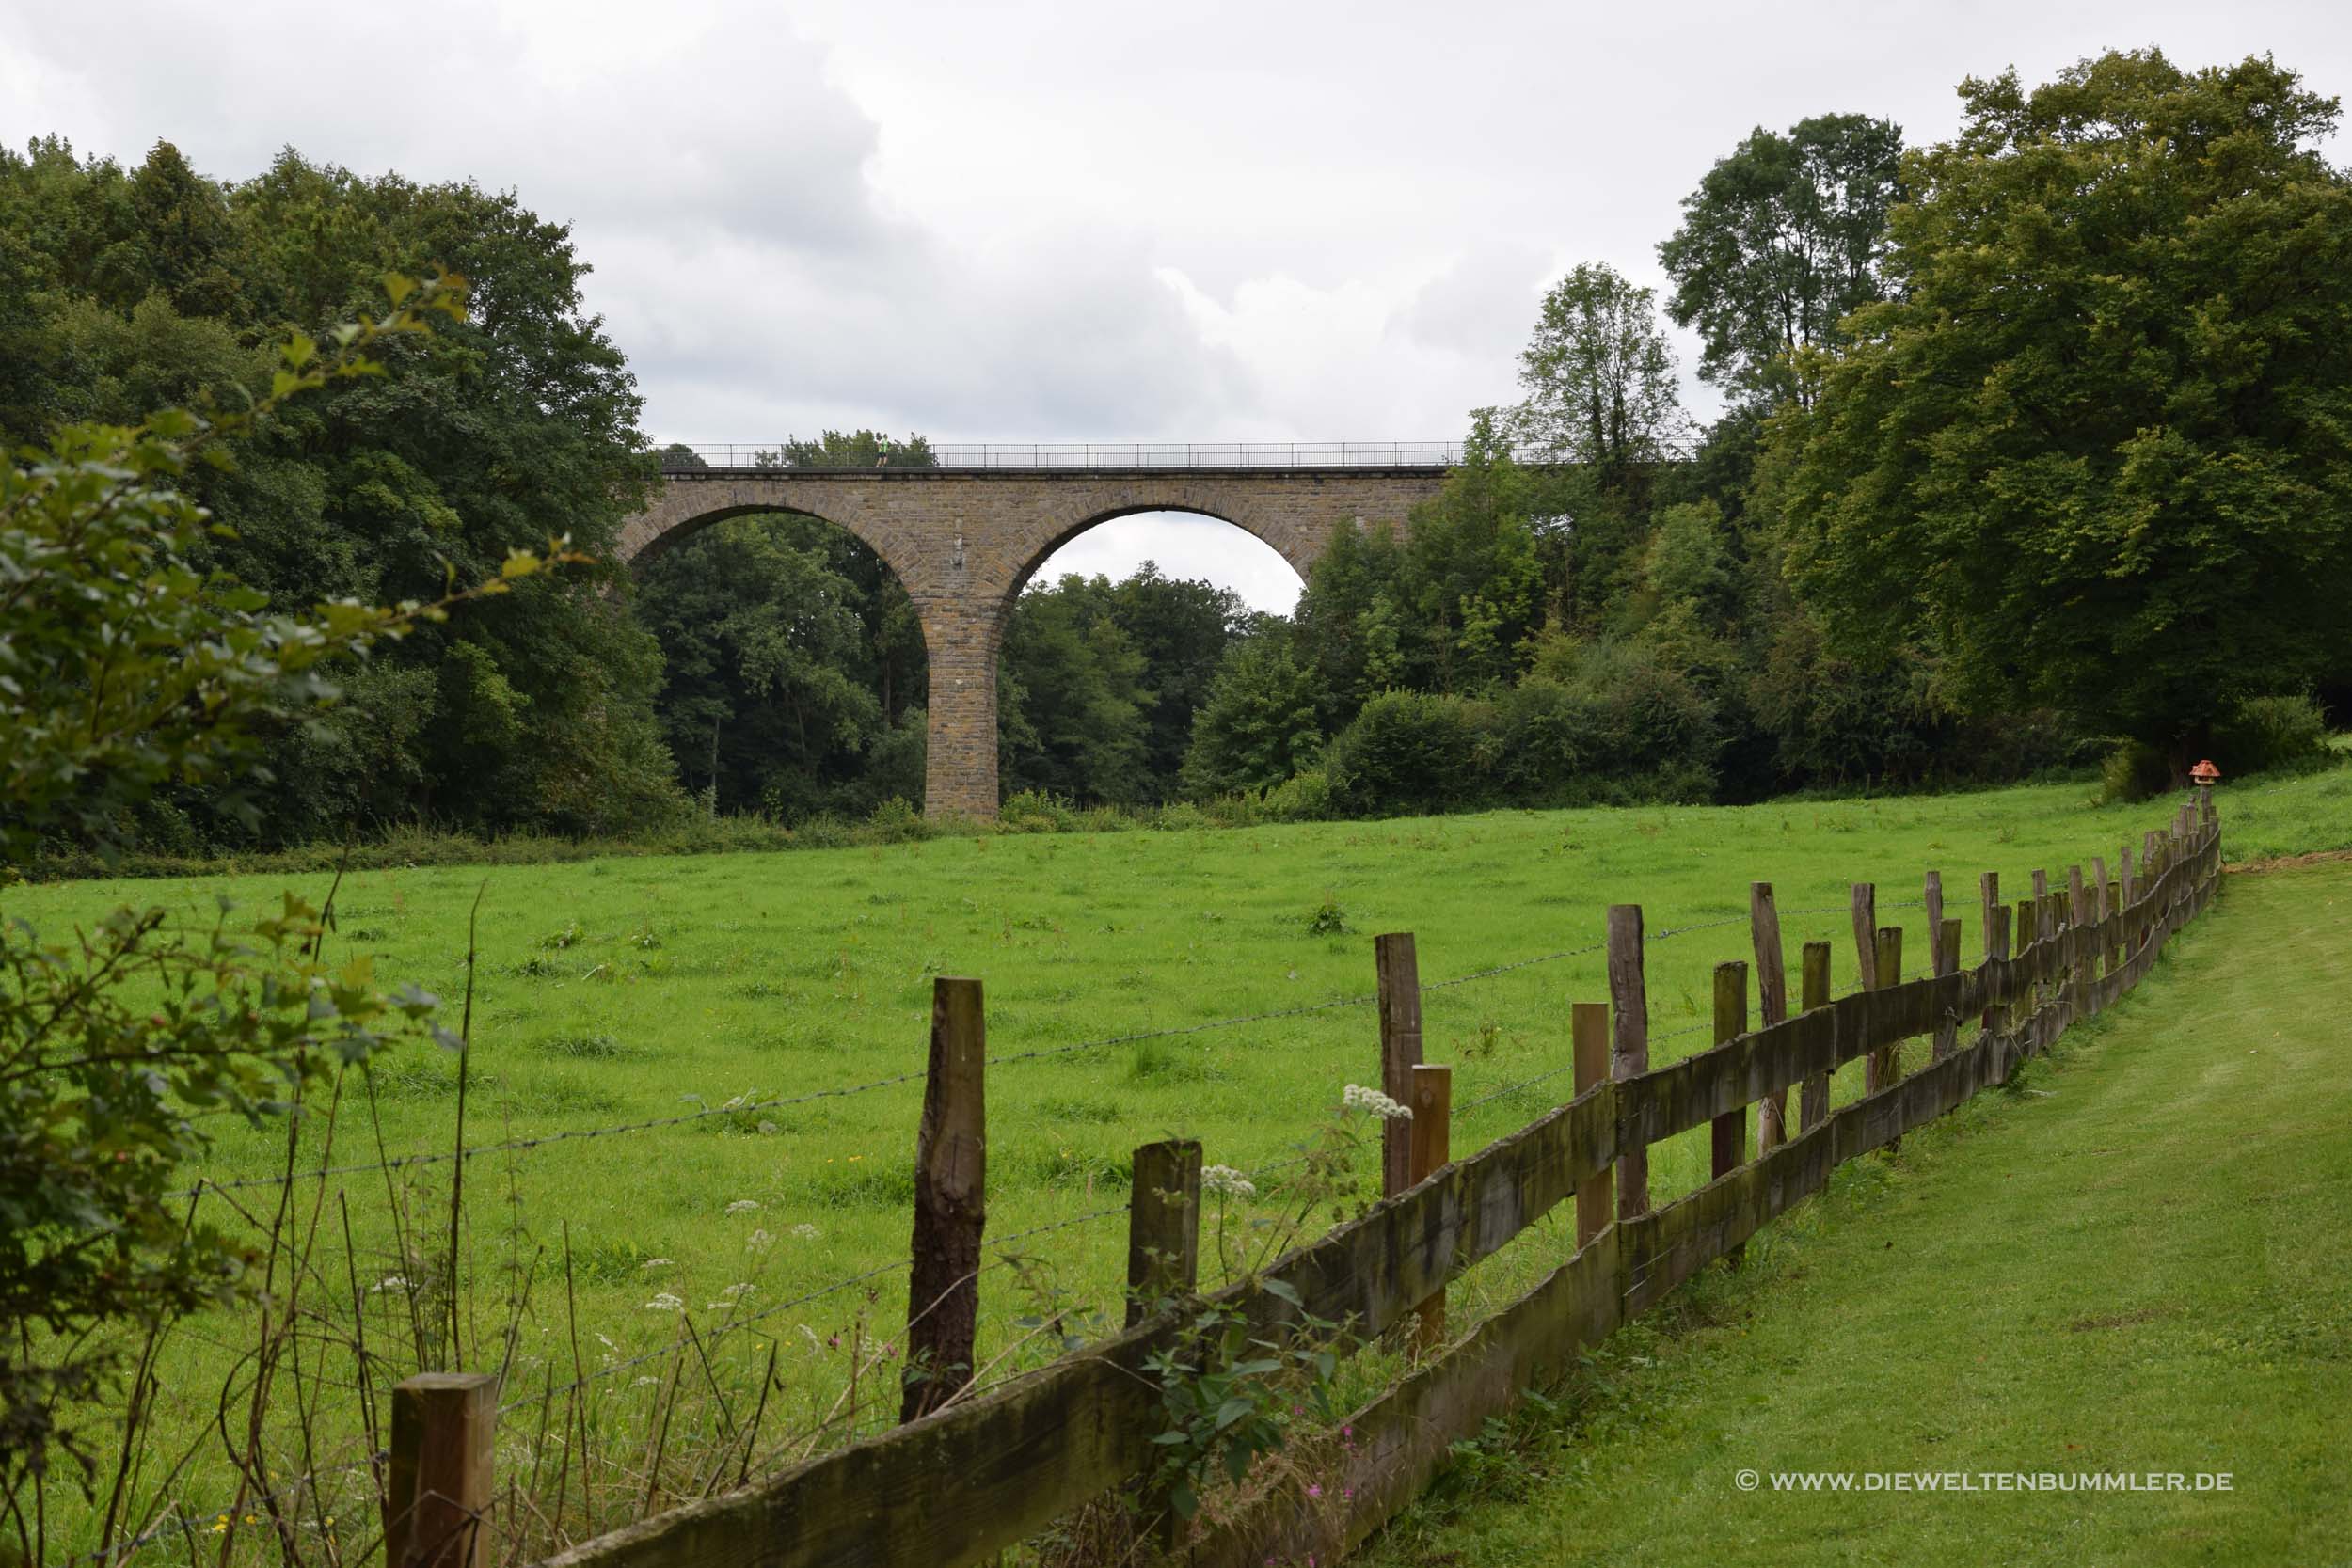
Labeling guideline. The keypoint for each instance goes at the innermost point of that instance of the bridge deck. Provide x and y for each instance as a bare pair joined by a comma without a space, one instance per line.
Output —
1090,457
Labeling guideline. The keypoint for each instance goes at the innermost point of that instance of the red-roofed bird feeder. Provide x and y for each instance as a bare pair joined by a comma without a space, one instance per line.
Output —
2205,773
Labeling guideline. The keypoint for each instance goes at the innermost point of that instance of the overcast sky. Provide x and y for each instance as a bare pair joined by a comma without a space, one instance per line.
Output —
1062,221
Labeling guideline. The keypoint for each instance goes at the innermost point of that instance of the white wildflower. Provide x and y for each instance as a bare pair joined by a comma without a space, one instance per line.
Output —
758,1241
736,1289
1372,1102
1224,1181
390,1282
666,1302
653,1263
805,1231
606,1343
742,1205
645,1382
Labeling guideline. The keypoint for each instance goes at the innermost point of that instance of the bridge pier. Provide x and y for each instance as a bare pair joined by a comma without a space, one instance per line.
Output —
960,768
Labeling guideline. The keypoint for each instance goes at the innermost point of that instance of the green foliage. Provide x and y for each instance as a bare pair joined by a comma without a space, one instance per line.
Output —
1258,726
1598,374
2094,451
1228,1393
1407,753
2134,770
131,290
127,668
1781,241
793,666
2267,734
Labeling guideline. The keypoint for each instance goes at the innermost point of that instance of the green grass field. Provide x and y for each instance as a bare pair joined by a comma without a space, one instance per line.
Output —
2142,1262
617,990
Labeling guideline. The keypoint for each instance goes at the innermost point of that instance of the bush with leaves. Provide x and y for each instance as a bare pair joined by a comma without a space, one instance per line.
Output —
124,668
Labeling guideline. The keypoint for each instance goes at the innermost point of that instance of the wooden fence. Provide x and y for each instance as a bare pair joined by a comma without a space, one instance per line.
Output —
956,1486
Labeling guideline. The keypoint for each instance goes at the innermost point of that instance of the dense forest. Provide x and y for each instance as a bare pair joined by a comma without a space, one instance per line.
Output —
2033,457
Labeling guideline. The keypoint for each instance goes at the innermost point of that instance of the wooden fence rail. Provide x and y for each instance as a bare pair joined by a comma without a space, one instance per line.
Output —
955,1486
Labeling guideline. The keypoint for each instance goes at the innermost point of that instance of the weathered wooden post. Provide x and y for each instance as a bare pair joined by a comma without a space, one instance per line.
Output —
1946,961
1866,946
1588,1026
1629,1056
1728,1133
1163,1224
1399,972
1771,997
2042,927
2080,945
1865,926
2030,948
1946,1030
1995,914
2101,908
1432,1126
441,1470
1813,982
1888,1059
950,1202
1997,1014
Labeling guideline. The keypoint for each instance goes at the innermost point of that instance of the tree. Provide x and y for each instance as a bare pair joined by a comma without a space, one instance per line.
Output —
1599,374
126,291
127,666
1258,726
1073,684
777,684
1781,241
2094,451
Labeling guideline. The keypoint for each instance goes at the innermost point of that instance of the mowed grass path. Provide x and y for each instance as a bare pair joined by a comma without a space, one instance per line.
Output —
2142,1263
644,988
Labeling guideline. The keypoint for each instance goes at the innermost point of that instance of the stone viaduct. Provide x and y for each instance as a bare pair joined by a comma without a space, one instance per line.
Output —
964,541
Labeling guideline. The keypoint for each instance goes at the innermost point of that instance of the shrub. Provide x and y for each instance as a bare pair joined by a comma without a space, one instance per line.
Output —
1407,753
2134,770
2267,733
1304,797
897,823
1034,811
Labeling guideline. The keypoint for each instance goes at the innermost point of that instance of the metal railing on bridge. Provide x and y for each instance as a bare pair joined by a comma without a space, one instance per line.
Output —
682,457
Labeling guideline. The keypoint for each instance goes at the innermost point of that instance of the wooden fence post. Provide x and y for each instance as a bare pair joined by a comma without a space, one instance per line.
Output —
1996,1015
1629,1056
1771,997
1432,1125
2100,908
1946,1029
2040,904
1995,914
1728,1135
2026,1014
1163,1224
1888,1059
2080,947
950,1202
441,1470
1813,979
1399,970
1866,924
1866,946
1947,962
1588,1026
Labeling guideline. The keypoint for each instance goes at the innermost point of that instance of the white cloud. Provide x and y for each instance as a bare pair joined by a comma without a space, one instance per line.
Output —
1040,220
